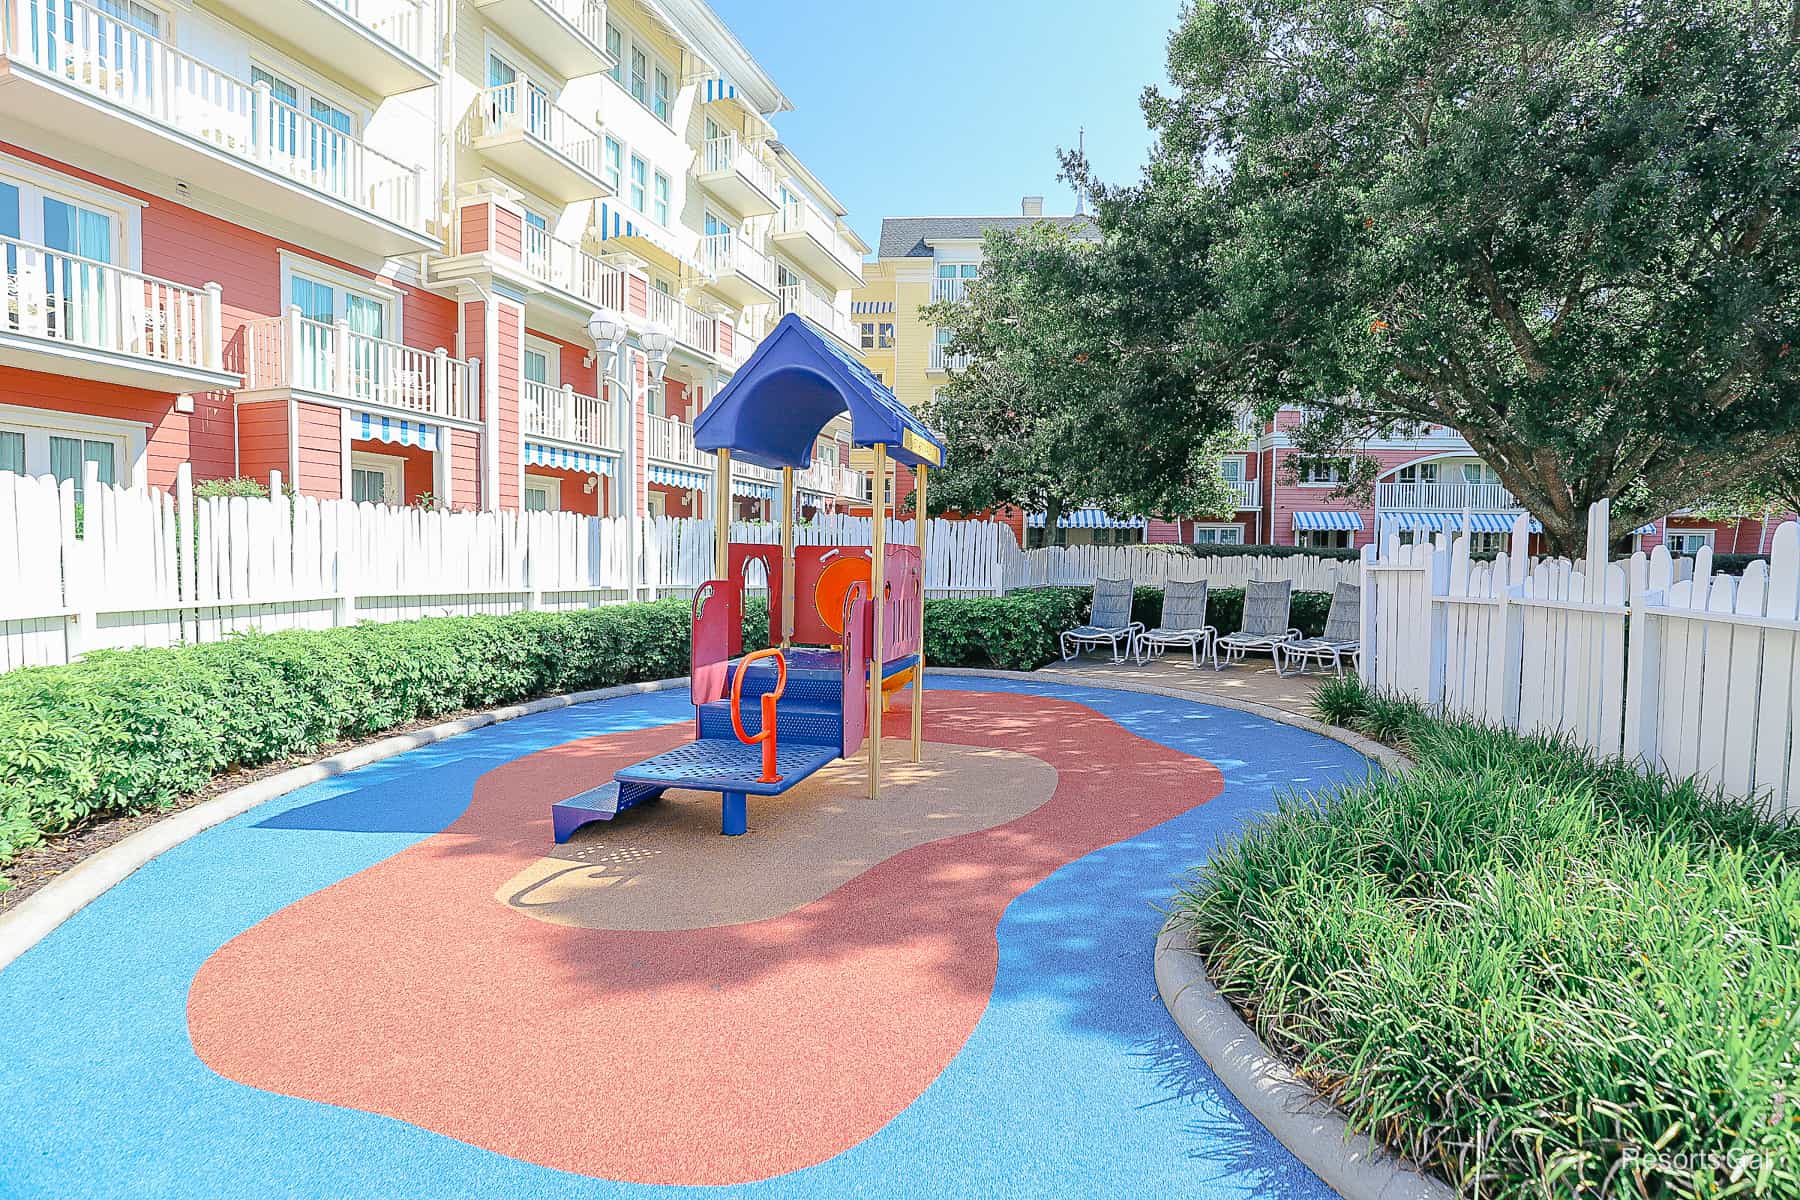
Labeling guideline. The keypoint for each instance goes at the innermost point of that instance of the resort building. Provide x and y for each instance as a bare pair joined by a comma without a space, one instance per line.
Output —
490,254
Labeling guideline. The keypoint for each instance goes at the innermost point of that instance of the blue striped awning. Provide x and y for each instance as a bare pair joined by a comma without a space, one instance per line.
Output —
871,308
1642,530
370,428
1313,521
584,461
676,477
1087,518
750,489
1481,522
718,89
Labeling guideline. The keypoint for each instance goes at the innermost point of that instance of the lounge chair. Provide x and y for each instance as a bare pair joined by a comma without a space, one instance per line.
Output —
1342,638
1183,623
1110,625
1266,613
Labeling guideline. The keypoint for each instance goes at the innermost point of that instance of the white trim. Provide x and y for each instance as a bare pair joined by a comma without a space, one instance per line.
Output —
1225,526
550,484
38,182
552,352
390,296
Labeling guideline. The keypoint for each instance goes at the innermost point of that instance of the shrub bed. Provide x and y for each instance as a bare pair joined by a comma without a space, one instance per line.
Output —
1537,973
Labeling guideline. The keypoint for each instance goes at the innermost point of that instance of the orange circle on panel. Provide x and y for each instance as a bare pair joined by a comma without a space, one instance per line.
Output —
834,584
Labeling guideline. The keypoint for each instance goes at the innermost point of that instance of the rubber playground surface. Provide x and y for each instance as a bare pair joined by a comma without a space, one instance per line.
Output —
392,983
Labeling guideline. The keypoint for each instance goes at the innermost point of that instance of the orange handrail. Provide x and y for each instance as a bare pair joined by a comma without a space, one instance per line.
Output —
769,699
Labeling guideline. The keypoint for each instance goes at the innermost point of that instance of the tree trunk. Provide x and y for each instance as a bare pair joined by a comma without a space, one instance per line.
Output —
1052,514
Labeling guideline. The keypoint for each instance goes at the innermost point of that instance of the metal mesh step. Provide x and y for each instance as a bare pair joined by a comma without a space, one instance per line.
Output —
801,722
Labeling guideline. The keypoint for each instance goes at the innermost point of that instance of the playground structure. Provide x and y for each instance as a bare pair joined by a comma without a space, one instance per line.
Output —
846,623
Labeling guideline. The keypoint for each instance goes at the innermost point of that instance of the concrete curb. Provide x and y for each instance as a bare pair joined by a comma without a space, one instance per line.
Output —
79,886
1353,1165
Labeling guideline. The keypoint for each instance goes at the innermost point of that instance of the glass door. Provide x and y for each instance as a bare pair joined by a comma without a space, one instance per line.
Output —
367,319
76,279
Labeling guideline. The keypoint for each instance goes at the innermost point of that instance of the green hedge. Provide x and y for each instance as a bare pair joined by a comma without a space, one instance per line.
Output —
1257,551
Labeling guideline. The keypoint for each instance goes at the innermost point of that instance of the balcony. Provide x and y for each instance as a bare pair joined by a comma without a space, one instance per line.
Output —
667,440
519,128
737,177
1446,497
1249,493
74,316
568,36
568,268
829,479
384,46
307,358
690,327
811,238
738,271
948,291
942,361
798,298
565,415
79,74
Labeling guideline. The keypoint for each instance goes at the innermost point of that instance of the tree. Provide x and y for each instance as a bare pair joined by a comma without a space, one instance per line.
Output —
1770,494
1075,390
1566,231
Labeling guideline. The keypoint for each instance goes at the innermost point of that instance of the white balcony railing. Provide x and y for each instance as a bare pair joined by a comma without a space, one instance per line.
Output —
105,57
406,24
81,302
798,298
800,215
1249,493
727,154
669,440
727,253
566,415
589,16
294,352
564,265
691,327
948,290
943,360
521,106
1447,497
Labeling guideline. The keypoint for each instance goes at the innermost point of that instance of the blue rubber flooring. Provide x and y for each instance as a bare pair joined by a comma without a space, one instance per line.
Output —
1075,1083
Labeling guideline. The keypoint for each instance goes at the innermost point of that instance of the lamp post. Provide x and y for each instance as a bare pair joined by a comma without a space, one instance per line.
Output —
656,341
607,328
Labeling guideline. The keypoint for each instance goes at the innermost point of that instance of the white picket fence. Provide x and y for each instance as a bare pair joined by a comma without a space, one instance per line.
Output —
1652,658
1155,566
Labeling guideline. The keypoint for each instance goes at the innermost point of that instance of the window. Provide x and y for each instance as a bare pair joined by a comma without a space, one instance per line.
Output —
868,335
1313,474
615,47
325,298
881,379
660,213
662,104
543,494
640,175
1417,473
1218,535
1231,470
539,367
640,76
1324,539
1478,472
61,445
322,141
613,167
887,335
1487,543
1687,541
377,479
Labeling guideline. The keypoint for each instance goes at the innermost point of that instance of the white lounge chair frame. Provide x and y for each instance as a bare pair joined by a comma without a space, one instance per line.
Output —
1183,624
1110,625
1267,608
1341,640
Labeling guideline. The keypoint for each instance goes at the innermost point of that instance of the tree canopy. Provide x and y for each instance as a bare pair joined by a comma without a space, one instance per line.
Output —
1563,228
1078,388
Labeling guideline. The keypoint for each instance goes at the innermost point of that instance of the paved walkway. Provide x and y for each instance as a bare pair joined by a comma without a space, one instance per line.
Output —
1254,680
389,984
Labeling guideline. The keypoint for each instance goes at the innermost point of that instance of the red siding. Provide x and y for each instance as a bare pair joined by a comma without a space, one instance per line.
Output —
474,224
167,431
321,450
507,399
465,469
263,439
637,294
509,234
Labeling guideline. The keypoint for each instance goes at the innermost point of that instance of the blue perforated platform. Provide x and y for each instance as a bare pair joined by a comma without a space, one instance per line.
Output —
728,765
817,723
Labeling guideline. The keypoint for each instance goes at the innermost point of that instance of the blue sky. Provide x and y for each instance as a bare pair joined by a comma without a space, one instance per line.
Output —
936,107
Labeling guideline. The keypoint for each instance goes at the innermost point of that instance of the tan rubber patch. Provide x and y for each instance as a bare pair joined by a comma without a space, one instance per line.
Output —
664,866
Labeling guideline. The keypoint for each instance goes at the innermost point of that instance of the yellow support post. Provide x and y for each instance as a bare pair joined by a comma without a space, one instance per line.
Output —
877,587
787,557
920,474
722,516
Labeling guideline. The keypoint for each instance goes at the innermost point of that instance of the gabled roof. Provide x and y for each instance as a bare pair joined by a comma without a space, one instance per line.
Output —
779,401
911,237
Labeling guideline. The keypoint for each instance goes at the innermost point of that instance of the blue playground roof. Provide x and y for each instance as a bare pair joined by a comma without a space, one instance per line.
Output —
800,378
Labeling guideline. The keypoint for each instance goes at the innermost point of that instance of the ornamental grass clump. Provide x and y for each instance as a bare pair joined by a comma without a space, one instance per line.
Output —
1535,973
